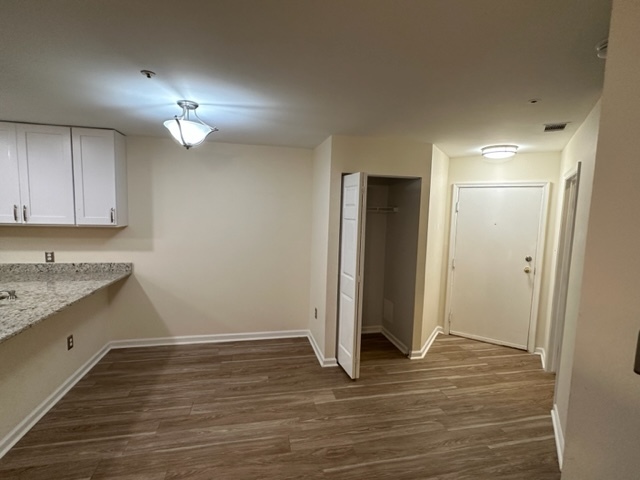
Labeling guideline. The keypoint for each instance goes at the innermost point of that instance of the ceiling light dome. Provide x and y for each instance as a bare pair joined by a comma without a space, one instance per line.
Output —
187,132
499,151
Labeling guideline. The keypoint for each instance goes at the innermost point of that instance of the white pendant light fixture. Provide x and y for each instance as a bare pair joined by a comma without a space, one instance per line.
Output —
186,131
499,151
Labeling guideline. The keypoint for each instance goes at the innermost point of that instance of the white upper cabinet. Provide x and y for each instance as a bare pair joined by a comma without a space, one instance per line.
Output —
46,175
100,177
10,205
52,175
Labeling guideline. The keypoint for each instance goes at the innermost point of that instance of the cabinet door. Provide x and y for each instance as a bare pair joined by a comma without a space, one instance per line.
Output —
10,206
94,169
46,174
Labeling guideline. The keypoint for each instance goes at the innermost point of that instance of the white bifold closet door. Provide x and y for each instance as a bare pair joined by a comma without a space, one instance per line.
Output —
354,188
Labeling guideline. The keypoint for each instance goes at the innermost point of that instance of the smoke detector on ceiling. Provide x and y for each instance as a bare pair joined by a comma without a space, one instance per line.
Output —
601,48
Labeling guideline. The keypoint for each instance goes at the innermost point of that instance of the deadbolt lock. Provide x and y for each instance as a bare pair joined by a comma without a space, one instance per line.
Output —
528,258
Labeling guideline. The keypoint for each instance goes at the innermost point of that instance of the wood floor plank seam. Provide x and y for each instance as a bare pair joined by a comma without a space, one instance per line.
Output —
520,442
505,422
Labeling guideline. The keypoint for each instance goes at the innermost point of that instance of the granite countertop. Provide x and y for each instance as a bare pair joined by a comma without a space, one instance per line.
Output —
44,289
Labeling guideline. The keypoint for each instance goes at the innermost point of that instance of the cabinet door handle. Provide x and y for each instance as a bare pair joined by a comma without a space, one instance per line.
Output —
113,215
24,213
15,213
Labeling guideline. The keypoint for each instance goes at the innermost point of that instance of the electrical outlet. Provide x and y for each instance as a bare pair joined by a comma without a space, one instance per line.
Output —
49,257
69,342
315,313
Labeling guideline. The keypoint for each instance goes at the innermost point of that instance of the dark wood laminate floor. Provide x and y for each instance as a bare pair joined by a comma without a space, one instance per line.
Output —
267,410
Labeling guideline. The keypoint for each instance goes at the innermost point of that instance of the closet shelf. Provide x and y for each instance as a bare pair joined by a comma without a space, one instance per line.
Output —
382,209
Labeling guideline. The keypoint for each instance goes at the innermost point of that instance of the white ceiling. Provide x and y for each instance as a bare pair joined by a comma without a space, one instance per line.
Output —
457,73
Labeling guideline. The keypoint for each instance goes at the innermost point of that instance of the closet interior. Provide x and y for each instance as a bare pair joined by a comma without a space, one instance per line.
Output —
390,258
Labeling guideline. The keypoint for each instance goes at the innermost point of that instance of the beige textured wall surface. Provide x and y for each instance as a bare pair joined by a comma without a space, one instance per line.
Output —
524,167
219,237
603,421
581,148
374,258
319,215
400,259
436,256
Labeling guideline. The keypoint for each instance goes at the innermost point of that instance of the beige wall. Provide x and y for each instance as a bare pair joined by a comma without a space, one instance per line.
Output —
581,148
400,260
383,157
219,237
524,167
603,422
436,255
36,362
320,198
374,258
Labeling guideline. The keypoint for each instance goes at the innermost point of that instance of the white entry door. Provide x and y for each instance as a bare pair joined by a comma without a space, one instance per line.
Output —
354,199
497,235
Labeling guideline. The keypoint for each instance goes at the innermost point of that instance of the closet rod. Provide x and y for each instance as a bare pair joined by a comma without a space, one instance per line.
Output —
382,209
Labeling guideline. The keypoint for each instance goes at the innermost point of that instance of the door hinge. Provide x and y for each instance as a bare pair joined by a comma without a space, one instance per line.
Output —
450,315
457,206
453,264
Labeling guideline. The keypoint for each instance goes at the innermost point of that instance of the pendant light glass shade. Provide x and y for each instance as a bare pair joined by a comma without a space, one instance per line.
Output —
499,151
186,131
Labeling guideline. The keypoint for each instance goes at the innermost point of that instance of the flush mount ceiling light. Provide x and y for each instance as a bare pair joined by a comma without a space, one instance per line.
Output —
187,132
499,151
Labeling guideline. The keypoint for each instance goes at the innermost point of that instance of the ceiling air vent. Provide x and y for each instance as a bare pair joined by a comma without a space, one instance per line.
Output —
554,127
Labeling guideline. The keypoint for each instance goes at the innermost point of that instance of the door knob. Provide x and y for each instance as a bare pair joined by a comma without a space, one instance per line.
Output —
527,269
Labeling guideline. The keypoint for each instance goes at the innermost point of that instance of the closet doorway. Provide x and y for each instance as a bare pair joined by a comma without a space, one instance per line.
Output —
378,263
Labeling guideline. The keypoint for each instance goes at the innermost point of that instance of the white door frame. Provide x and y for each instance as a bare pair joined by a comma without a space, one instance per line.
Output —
539,256
561,277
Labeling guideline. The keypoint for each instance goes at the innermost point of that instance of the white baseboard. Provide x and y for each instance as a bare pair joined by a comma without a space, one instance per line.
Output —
396,341
488,340
371,329
557,430
324,362
419,354
543,357
217,338
30,420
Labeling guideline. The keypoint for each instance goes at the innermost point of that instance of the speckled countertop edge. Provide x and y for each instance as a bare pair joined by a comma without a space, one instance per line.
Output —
44,290
25,269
